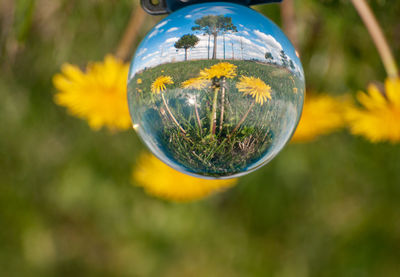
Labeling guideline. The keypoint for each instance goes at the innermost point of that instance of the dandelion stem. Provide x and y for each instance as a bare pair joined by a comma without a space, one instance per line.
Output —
221,119
377,36
197,116
243,119
171,115
213,120
130,35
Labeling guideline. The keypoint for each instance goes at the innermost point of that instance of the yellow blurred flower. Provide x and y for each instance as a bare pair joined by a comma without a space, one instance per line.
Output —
139,81
158,85
254,87
196,83
97,95
162,181
379,117
322,114
219,70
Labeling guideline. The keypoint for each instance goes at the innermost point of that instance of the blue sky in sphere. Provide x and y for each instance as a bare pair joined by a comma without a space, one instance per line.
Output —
255,36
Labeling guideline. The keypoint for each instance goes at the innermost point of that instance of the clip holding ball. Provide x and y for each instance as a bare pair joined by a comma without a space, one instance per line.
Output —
159,7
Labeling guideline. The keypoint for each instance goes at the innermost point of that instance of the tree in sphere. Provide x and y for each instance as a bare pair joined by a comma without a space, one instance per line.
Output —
186,42
214,25
268,56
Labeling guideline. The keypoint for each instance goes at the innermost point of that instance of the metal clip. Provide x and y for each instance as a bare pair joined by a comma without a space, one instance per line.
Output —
159,7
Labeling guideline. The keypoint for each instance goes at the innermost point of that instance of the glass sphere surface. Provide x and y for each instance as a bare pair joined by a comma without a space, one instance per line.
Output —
215,90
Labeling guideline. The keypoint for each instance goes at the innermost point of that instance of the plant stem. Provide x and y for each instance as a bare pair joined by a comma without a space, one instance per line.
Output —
377,36
215,34
211,153
221,119
197,116
135,23
171,115
213,120
208,47
289,21
243,119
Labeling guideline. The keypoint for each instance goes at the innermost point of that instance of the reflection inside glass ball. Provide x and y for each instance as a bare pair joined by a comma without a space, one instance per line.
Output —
215,90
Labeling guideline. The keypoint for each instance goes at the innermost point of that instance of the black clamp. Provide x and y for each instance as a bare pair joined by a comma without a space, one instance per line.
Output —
159,7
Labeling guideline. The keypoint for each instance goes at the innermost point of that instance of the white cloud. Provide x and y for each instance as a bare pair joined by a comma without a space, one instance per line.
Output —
202,11
238,38
161,24
150,55
243,28
152,34
172,29
173,39
253,48
141,52
203,41
268,39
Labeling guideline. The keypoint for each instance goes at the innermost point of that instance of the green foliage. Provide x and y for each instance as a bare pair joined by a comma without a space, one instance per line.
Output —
291,65
284,58
268,56
211,24
214,25
23,17
186,42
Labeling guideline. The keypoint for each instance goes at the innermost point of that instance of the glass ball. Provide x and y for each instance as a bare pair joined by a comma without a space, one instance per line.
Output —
215,90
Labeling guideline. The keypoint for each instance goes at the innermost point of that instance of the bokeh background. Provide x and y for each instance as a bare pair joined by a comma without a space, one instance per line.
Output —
69,207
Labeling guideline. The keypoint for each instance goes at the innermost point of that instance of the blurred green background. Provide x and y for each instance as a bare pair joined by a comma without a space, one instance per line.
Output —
67,205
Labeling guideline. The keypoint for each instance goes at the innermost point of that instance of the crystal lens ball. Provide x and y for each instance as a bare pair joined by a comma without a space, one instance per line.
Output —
215,90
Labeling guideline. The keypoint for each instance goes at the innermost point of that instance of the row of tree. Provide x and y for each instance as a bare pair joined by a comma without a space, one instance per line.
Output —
285,60
211,25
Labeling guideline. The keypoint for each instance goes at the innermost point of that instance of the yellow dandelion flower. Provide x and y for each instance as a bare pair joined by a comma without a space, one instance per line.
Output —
254,87
295,90
97,95
196,83
219,70
158,85
139,81
162,181
379,117
322,114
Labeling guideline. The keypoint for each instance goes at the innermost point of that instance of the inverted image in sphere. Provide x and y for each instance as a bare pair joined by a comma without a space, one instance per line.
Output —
215,90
